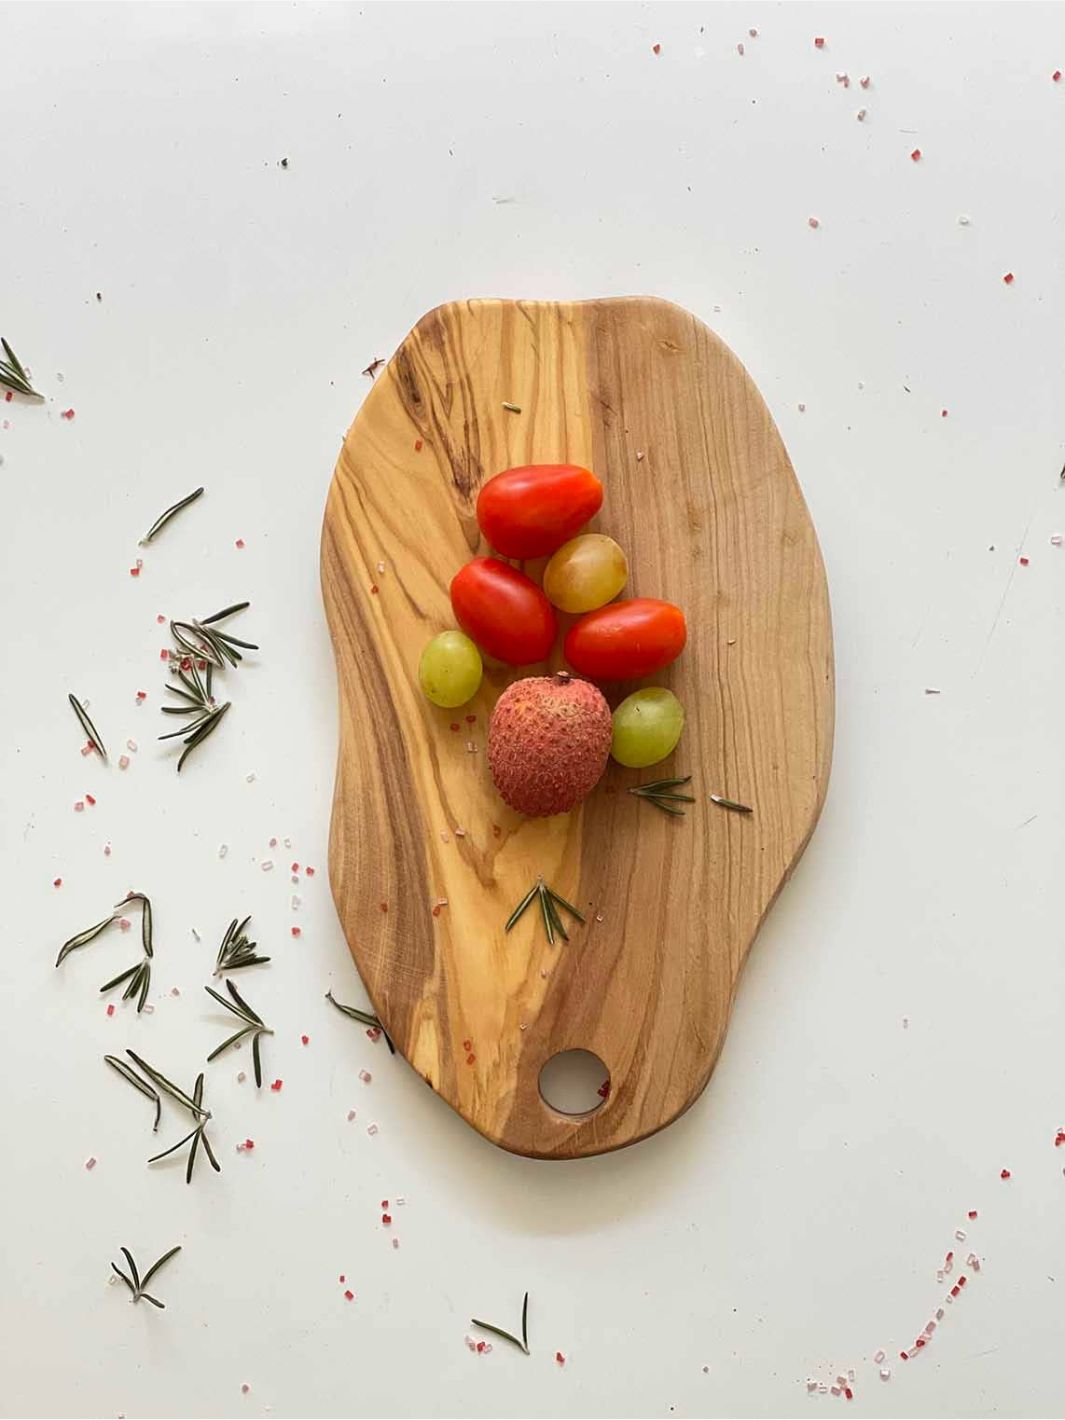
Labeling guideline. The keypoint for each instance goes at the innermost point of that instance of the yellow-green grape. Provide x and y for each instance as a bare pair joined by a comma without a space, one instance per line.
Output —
450,669
647,726
585,573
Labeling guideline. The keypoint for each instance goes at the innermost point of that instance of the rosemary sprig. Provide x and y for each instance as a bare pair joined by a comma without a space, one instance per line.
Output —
163,518
200,643
662,793
523,1344
254,1025
364,1017
137,1284
198,1135
138,1084
13,375
138,978
550,902
88,726
236,951
730,804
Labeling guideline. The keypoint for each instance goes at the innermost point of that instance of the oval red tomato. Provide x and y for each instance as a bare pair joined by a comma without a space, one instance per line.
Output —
531,511
625,639
504,611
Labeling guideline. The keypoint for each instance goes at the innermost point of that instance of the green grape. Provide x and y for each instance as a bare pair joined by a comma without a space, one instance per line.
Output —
450,669
647,726
585,573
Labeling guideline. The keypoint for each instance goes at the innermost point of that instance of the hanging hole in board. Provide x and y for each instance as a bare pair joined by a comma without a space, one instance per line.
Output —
574,1082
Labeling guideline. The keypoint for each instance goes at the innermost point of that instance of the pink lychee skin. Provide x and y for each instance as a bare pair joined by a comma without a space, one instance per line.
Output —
548,743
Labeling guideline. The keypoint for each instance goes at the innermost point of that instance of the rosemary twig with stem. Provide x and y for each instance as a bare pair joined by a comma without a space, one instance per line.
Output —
135,1080
363,1016
724,803
138,978
198,1134
200,702
136,1283
88,726
550,902
13,375
254,1025
201,646
163,518
236,951
663,794
523,1344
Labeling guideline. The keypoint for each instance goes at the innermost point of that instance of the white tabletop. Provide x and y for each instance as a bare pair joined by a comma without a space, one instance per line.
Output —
898,1038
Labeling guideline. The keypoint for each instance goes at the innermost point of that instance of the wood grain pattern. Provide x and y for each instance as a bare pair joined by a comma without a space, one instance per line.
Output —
712,518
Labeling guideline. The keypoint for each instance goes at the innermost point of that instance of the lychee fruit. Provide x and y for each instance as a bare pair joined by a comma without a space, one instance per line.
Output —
548,743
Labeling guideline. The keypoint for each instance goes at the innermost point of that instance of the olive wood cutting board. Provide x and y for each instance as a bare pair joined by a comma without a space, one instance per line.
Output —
700,493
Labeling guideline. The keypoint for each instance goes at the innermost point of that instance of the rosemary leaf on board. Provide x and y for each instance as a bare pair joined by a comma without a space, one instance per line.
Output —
163,518
88,726
724,803
550,901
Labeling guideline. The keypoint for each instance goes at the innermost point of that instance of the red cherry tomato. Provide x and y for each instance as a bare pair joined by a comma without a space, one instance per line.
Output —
532,511
504,611
625,639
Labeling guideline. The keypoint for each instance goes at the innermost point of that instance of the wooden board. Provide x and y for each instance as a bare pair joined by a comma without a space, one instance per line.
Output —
702,497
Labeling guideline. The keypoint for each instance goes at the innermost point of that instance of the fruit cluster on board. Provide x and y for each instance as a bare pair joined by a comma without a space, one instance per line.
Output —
550,736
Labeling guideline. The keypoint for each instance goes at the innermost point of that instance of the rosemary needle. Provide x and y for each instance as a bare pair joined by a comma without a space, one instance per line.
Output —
724,803
163,518
88,726
523,1344
550,902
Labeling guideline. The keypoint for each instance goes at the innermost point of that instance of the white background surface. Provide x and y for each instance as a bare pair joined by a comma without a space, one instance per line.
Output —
792,1222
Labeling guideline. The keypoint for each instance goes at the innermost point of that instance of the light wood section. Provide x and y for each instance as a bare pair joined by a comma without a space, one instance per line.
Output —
711,517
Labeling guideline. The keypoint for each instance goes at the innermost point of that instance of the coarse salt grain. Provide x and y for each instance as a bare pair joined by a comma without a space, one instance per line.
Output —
739,48
245,1388
365,1076
885,1373
223,849
79,807
309,872
107,850
277,1085
90,800
560,1360
814,222
90,1163
819,42
915,156
295,901
878,1357
395,1242
349,1295
296,931
241,1077
267,866
1056,539
111,1009
124,924
123,761
371,1129
860,115
132,745
351,1115
1008,278
959,1233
